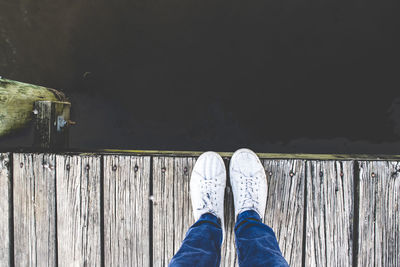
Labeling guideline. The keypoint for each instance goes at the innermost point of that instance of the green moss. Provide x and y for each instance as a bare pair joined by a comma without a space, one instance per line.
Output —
17,100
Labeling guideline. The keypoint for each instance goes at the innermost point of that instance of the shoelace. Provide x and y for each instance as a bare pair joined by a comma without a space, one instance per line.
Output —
209,194
250,194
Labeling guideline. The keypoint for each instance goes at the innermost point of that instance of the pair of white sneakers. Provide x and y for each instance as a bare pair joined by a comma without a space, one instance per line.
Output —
248,182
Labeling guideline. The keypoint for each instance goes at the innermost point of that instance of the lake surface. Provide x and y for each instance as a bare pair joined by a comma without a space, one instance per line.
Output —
275,76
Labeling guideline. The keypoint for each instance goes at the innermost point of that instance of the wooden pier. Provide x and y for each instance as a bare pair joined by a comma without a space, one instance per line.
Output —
121,208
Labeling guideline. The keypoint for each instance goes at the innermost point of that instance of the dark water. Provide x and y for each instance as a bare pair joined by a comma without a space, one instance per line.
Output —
277,76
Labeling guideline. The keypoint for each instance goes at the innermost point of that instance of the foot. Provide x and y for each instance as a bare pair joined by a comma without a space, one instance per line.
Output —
207,186
248,181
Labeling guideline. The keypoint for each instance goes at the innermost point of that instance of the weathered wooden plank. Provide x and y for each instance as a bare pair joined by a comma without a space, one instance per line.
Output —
172,206
379,214
163,210
78,210
16,103
228,250
329,224
34,209
126,210
5,209
284,211
183,215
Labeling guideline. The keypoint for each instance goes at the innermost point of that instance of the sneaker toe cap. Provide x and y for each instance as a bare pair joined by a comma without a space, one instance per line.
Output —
246,163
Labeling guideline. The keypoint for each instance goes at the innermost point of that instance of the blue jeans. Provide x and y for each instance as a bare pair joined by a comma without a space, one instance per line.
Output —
256,243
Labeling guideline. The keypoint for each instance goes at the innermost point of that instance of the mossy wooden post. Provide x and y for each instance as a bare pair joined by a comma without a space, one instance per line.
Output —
16,103
51,124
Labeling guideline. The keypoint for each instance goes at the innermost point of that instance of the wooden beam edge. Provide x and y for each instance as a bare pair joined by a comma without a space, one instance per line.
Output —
261,155
304,156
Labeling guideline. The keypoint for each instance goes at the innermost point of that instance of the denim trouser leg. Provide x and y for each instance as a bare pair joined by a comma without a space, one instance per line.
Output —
202,244
256,242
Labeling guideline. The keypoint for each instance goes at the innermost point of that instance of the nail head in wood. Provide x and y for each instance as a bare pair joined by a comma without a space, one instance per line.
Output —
6,162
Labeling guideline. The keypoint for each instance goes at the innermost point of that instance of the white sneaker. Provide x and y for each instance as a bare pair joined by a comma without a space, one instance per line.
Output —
248,181
207,186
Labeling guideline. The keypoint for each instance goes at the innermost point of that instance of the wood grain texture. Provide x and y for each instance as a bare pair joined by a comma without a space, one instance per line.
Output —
284,211
71,186
5,209
34,209
126,210
228,251
330,209
78,210
172,210
183,215
379,217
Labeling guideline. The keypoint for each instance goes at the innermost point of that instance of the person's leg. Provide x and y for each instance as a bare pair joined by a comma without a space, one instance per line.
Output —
202,244
256,243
